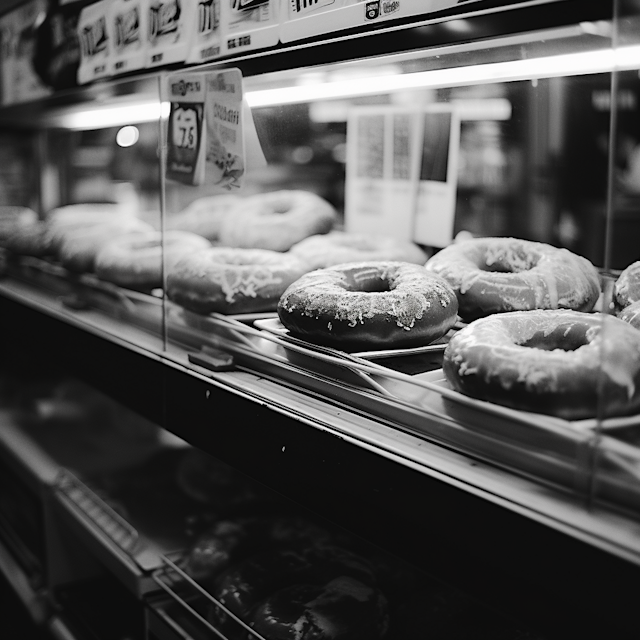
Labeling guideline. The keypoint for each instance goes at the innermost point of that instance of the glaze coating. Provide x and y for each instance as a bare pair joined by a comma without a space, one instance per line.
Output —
496,275
563,363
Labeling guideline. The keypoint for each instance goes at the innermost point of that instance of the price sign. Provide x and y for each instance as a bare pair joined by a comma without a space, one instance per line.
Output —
185,126
185,160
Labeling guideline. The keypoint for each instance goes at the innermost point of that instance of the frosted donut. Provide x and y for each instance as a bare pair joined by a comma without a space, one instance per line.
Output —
553,362
29,240
494,275
78,248
136,260
339,247
232,280
369,305
13,218
63,221
277,220
204,216
626,290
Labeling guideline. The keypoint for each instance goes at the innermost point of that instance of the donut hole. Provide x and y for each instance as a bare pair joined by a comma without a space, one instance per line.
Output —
511,262
563,338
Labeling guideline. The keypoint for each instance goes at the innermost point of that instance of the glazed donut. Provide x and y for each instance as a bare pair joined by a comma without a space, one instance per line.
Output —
13,218
631,314
78,248
339,247
343,608
553,362
135,260
204,215
626,290
232,280
276,220
494,275
369,305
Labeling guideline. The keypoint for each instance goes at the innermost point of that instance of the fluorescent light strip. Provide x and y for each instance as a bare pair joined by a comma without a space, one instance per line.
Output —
552,66
105,116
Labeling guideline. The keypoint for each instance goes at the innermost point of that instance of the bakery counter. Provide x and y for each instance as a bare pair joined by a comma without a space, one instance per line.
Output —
368,473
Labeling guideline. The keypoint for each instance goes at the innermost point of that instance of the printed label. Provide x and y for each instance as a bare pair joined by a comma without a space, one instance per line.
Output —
164,18
208,16
127,28
93,38
307,6
186,129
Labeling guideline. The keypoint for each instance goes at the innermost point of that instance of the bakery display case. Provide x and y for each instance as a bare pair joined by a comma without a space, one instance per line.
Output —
174,236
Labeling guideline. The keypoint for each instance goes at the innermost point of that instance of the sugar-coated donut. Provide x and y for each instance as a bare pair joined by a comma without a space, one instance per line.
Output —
135,260
79,247
340,247
204,216
626,289
369,305
564,363
13,218
232,280
277,220
494,275
343,608
29,240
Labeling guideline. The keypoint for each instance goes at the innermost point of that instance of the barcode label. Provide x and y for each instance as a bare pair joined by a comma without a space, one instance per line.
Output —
300,6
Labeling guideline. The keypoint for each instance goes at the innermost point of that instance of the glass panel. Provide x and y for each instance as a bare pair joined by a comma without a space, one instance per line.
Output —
91,172
617,476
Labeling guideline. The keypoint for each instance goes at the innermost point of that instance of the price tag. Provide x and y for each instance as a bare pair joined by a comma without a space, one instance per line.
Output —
185,145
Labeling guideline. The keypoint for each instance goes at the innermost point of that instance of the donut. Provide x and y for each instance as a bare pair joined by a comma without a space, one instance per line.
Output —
232,280
79,247
631,314
13,218
562,363
626,289
231,541
276,220
369,305
249,582
204,215
135,260
343,608
29,240
494,275
339,247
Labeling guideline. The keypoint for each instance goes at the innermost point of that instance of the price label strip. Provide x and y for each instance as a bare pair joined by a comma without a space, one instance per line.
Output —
186,130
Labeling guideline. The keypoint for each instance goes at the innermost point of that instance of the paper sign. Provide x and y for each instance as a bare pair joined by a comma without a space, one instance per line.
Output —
249,24
95,45
171,25
186,130
382,171
207,32
225,154
438,180
402,172
128,26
